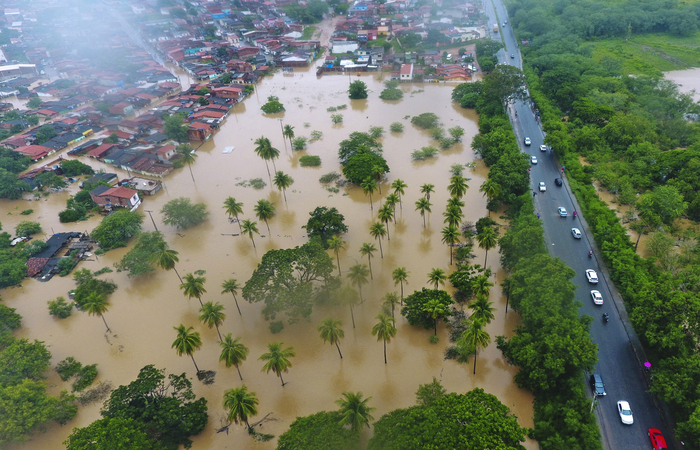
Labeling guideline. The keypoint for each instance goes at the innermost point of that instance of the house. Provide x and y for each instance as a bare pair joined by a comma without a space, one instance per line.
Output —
406,73
109,178
143,185
115,196
122,109
100,152
36,152
232,92
166,152
199,131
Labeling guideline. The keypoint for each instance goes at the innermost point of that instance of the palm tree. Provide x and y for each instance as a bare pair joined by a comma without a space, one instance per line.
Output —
450,236
487,240
368,250
390,300
378,231
212,315
348,296
474,337
233,353
354,410
231,285
336,243
378,172
186,156
423,205
331,332
193,287
481,285
453,216
437,276
249,227
455,202
399,188
491,190
241,404
277,359
385,214
368,187
392,200
264,210
358,276
166,258
234,208
282,181
400,276
384,330
288,132
426,189
482,309
96,305
187,342
458,186
436,310
265,150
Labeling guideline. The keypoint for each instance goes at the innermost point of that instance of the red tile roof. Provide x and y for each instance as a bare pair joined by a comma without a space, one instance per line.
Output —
119,192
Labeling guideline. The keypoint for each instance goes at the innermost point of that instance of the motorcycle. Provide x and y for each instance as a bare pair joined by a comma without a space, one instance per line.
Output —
590,253
574,216
606,317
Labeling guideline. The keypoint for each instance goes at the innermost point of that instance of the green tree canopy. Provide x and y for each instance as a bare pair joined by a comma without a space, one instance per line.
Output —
182,213
175,128
320,430
358,90
112,434
325,223
358,142
415,305
116,229
363,165
140,259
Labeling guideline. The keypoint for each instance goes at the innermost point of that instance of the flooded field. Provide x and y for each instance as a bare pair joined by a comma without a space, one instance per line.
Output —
145,310
687,80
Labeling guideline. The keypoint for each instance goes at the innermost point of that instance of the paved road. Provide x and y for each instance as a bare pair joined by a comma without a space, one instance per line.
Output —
618,363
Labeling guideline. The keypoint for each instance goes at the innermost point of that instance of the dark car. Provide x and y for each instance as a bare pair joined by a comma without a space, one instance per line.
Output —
558,181
597,384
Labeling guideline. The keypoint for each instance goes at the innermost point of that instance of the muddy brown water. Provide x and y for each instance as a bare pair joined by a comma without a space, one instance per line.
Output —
145,310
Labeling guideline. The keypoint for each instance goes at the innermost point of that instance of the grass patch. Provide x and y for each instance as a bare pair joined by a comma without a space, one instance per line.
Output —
329,177
310,161
424,153
255,183
308,32
27,212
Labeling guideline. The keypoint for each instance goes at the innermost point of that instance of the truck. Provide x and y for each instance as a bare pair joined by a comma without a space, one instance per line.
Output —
495,28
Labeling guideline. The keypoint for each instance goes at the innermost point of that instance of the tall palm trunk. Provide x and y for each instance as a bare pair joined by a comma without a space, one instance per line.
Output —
178,275
384,351
191,174
474,361
239,372
195,363
282,379
352,314
239,224
268,227
239,308
103,319
218,332
200,301
369,258
381,252
388,234
337,257
486,256
338,347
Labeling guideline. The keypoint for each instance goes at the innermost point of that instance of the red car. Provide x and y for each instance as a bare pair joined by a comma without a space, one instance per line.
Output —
657,439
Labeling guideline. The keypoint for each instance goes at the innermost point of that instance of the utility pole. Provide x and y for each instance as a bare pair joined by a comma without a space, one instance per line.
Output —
151,215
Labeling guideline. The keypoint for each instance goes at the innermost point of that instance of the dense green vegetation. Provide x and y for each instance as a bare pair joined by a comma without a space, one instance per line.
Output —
603,100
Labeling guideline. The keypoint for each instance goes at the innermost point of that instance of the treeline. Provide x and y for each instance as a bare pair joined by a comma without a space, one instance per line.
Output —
635,133
602,18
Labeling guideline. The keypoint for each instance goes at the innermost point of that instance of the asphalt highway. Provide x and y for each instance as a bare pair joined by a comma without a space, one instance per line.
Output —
620,366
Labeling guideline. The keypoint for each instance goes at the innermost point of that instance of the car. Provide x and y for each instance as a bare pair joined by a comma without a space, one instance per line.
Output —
592,276
625,412
528,141
576,233
543,188
562,211
543,148
533,159
512,56
597,385
658,442
558,181
597,298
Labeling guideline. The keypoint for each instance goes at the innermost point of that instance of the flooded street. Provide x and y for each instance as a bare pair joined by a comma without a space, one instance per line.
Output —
145,310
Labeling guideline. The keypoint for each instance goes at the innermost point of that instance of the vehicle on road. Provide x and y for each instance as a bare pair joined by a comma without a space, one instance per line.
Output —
597,298
543,148
512,56
528,141
625,412
562,211
576,233
543,188
592,276
658,442
533,159
597,385
558,181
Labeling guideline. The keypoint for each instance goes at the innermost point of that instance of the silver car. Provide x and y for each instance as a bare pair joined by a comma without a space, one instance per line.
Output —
562,211
528,141
592,276
625,412
576,233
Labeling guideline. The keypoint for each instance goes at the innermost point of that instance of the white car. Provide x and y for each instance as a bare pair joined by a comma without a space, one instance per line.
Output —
625,412
576,233
543,188
528,141
592,276
597,298
562,211
533,159
543,148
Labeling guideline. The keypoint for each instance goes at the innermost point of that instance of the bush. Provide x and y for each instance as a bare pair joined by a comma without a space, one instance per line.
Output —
376,132
433,339
60,308
337,118
85,377
358,90
9,319
68,368
35,246
182,213
299,143
69,215
329,177
425,121
310,161
276,327
423,153
396,127
27,212
27,228
272,106
65,265
73,167
257,183
391,94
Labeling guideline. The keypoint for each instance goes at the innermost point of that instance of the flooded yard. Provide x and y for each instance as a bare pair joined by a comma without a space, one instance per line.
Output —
145,310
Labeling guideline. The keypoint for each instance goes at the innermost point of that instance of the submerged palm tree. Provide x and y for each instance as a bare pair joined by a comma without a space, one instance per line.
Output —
482,309
264,210
348,296
358,276
400,276
491,190
212,315
354,410
426,189
231,285
282,181
233,353
391,299
384,330
450,236
96,305
336,243
265,150
166,258
392,200
399,188
233,209
186,156
241,405
386,213
458,186
288,132
187,342
423,205
487,240
474,338
437,276
368,250
249,227
453,216
436,310
378,231
331,332
193,287
369,186
277,359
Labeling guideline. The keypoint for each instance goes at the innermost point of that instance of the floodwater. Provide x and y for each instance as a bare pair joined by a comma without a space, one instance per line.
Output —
687,80
145,310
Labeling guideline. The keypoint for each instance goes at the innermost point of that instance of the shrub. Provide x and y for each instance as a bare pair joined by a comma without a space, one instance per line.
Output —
331,109
424,153
27,212
272,106
396,127
68,368
69,215
376,132
182,213
343,106
257,183
299,143
446,143
276,327
425,121
329,177
337,118
433,339
316,135
85,377
27,228
65,265
391,94
35,246
310,161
